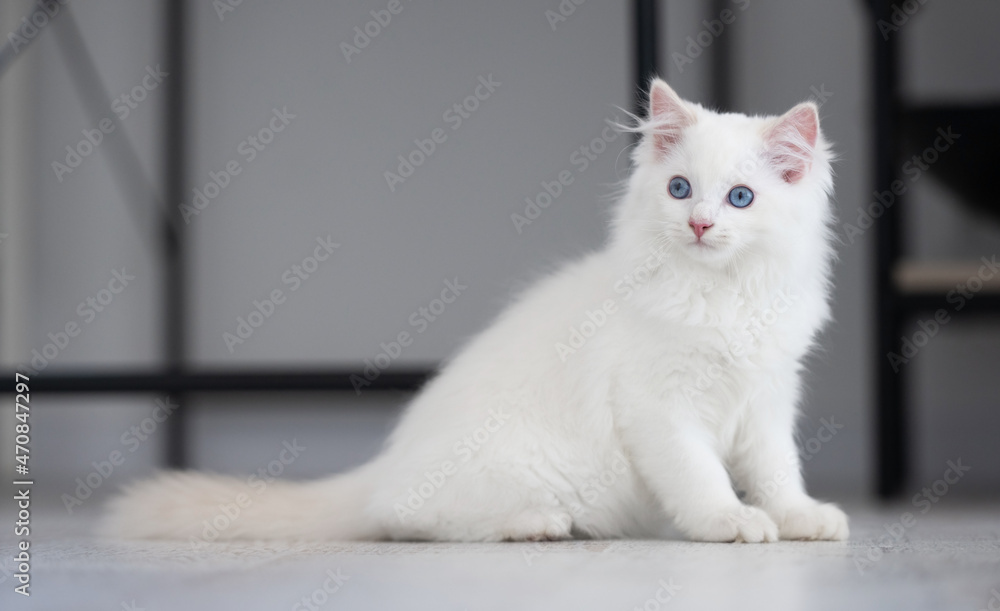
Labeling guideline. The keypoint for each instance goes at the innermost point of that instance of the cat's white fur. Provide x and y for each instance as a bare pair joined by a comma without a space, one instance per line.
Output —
644,384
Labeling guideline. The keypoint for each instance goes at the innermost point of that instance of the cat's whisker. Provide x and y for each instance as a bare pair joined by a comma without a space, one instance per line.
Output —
620,153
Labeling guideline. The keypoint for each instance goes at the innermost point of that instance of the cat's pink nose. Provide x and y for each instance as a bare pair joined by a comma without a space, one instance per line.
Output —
699,227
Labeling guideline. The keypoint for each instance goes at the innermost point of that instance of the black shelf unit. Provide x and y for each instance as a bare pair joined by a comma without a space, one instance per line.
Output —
898,125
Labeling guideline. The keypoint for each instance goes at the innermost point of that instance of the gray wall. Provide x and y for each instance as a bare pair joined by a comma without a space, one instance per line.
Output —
323,175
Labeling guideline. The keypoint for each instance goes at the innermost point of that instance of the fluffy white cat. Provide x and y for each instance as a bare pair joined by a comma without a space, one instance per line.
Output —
655,380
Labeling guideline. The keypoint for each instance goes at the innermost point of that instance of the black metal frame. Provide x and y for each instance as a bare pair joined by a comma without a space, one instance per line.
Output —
721,63
173,256
891,423
264,380
645,35
176,377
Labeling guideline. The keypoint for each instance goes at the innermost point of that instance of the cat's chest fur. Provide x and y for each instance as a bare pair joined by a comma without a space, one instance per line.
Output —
711,347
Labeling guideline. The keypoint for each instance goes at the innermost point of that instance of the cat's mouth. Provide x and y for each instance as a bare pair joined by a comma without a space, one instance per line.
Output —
704,244
707,248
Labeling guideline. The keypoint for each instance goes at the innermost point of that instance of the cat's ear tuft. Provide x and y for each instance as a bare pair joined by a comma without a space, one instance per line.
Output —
668,116
791,141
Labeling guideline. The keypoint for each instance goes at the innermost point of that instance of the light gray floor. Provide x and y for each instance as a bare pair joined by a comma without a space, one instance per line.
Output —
948,559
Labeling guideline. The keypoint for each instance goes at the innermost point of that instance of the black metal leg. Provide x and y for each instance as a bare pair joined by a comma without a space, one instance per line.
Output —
175,181
892,424
891,421
721,62
646,46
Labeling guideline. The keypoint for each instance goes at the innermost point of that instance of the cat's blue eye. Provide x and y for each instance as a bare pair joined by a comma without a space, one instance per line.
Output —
679,187
741,197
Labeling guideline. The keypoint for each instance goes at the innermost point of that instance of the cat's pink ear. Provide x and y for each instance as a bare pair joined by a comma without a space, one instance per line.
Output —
791,142
668,116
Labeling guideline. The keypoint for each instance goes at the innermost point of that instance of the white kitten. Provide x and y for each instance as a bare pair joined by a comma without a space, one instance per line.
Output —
645,383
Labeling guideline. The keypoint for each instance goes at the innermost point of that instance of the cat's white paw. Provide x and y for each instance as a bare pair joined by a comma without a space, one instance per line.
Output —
538,525
744,524
812,521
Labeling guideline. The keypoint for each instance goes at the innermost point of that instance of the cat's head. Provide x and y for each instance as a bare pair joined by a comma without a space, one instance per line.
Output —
717,189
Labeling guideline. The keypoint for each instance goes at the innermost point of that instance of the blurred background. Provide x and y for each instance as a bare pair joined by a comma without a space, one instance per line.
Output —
403,136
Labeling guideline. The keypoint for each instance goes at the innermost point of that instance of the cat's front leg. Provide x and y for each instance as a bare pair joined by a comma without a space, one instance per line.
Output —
680,465
768,469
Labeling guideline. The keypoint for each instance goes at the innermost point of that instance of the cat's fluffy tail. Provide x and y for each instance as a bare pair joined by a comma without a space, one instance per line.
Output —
203,507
